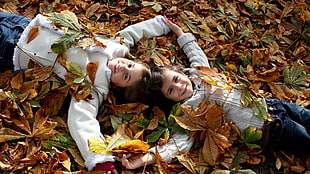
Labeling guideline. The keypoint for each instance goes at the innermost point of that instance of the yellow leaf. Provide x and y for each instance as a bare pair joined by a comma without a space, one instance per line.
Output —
134,146
97,146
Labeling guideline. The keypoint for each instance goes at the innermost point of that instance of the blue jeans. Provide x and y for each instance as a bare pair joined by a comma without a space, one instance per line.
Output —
11,28
290,131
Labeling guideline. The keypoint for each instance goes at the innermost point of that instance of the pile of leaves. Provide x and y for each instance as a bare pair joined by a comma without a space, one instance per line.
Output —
263,45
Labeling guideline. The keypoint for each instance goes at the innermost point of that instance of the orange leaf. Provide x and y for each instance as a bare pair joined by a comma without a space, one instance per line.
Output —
91,69
134,146
33,33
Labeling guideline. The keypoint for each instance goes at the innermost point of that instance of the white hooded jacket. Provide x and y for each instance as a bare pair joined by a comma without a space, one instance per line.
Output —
82,120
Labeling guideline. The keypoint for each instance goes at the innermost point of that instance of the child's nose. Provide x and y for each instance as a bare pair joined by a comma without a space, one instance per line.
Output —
123,67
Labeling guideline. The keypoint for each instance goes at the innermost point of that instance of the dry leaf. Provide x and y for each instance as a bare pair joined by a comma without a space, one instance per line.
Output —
33,33
91,69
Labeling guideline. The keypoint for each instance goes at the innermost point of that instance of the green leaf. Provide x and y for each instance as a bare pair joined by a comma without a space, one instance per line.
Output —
157,7
252,146
245,33
64,42
179,129
155,135
162,120
250,134
74,68
146,3
143,122
245,171
34,103
259,109
7,134
116,121
72,18
127,117
240,158
268,38
67,19
222,29
176,110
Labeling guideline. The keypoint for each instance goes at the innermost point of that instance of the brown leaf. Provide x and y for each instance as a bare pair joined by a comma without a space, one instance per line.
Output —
187,123
154,122
162,165
128,108
210,151
33,33
5,79
214,117
91,70
17,80
62,58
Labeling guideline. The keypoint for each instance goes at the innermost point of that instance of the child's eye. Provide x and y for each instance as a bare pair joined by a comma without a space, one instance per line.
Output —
126,76
130,65
170,91
176,78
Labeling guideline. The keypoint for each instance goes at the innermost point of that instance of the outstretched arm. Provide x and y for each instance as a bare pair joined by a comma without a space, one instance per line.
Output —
152,27
188,43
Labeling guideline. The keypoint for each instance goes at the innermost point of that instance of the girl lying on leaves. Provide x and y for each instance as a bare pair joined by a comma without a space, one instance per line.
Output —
39,40
288,127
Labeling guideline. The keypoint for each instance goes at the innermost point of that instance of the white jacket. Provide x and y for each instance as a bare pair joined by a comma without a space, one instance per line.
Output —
82,120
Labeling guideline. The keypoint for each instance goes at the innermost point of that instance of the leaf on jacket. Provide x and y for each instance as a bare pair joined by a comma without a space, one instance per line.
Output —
64,42
65,19
33,33
91,69
214,77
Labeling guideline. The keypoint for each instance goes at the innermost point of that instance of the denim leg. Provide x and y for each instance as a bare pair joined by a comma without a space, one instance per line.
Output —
11,27
291,128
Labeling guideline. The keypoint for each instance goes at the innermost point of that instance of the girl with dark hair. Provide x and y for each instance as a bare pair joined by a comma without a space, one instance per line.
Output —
112,68
289,130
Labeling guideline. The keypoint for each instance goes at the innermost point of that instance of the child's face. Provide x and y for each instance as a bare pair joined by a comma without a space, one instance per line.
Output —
125,72
176,86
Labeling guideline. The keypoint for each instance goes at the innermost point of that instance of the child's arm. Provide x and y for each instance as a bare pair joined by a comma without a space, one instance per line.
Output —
129,163
83,125
178,142
152,27
188,43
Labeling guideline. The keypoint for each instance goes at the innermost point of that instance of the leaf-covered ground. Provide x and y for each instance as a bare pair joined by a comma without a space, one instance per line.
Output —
264,44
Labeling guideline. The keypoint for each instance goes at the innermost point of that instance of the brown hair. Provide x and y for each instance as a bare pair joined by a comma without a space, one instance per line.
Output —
138,92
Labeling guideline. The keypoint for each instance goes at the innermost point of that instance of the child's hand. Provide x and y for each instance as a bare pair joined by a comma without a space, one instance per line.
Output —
173,27
127,162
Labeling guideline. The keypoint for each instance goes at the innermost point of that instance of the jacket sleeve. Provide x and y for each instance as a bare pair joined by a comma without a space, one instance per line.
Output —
192,50
152,27
178,142
83,125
